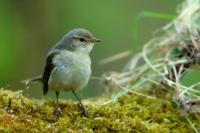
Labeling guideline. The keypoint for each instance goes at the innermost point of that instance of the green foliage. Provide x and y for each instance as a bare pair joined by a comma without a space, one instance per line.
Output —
6,42
131,113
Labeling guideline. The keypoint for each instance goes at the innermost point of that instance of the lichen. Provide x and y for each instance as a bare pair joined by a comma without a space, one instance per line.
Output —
131,113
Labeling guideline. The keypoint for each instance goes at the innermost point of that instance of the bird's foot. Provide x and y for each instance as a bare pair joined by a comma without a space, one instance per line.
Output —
84,110
8,109
57,112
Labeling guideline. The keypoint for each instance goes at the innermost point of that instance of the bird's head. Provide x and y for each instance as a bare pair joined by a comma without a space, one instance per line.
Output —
80,40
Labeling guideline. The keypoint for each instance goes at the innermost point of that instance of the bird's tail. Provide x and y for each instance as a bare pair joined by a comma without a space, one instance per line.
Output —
32,80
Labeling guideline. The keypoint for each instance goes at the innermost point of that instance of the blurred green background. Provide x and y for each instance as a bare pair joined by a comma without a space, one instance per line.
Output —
29,28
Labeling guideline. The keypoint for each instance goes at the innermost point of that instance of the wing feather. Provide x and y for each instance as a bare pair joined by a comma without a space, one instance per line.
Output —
47,71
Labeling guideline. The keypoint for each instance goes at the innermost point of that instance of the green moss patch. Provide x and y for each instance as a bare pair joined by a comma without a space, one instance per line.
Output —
131,113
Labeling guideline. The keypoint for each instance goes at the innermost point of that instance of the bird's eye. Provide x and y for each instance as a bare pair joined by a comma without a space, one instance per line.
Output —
82,39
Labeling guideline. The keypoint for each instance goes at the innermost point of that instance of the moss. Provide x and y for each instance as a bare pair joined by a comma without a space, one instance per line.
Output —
131,113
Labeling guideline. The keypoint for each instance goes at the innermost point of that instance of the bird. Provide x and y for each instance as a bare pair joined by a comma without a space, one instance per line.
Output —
68,65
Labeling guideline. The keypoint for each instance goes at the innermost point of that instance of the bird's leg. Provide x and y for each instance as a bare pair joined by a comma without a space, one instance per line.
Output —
57,111
85,113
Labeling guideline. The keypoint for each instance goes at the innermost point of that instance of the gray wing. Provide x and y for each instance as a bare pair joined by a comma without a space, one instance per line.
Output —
47,71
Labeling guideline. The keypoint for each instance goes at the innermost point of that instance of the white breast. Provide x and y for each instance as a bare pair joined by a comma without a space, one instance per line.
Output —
72,71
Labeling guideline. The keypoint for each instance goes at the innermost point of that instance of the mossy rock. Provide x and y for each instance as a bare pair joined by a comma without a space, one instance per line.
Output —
131,113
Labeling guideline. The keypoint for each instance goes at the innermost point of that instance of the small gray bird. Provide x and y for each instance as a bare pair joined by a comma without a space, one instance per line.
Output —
68,65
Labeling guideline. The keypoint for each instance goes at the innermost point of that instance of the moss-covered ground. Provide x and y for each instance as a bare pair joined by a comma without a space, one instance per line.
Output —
131,113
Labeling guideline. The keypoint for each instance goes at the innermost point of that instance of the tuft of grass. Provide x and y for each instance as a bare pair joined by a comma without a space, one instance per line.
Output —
163,62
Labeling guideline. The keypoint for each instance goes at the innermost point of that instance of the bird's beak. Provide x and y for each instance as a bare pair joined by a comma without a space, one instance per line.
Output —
94,40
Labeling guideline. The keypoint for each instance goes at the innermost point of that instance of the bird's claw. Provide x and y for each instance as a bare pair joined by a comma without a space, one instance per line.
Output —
84,110
57,112
85,113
